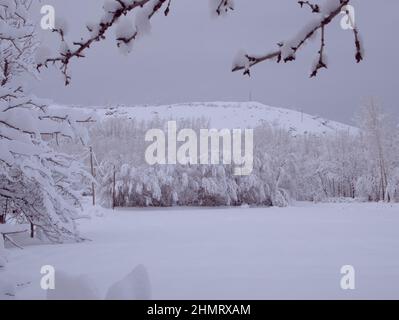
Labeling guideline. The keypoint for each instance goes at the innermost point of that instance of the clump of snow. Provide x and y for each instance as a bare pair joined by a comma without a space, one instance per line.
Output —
241,59
111,6
125,30
68,287
135,286
143,24
221,8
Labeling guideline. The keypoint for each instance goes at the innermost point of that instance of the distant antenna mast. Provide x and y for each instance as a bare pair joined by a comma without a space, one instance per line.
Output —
250,89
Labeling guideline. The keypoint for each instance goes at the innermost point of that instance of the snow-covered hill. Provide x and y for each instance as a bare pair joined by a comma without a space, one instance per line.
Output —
230,115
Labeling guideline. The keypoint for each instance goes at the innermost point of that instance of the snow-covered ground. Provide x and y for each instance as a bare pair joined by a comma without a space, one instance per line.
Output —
229,253
229,115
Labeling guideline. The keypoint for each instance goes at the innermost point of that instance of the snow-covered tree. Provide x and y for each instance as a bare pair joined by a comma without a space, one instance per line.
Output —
119,14
287,167
378,134
38,185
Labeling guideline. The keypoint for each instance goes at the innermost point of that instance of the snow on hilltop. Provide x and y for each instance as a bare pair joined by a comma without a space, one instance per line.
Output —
229,115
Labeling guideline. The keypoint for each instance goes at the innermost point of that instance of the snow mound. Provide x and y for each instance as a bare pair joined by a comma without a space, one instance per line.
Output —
69,287
135,286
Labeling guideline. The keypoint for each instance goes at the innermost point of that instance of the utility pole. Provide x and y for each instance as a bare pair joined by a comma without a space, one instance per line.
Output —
93,191
3,216
113,190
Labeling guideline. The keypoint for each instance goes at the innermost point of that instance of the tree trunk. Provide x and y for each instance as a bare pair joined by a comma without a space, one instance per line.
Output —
93,190
113,190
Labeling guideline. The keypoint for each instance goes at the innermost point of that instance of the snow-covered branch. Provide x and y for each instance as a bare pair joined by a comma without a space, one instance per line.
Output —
287,50
115,10
127,32
17,40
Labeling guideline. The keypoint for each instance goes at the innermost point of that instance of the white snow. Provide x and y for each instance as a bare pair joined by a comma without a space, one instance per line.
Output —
142,21
69,287
135,286
229,115
226,253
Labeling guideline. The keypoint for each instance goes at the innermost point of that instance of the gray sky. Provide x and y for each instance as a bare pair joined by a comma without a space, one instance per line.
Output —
188,57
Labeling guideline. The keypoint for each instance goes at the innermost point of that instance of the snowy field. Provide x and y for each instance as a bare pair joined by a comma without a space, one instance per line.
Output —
243,253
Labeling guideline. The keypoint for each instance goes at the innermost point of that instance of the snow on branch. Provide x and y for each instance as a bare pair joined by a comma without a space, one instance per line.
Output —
286,51
17,40
222,6
126,32
314,7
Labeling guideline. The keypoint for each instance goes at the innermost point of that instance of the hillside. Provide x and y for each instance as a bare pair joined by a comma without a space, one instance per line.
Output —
229,115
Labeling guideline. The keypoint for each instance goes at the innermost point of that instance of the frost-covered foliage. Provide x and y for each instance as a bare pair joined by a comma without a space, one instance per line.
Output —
138,184
380,140
131,19
37,183
286,167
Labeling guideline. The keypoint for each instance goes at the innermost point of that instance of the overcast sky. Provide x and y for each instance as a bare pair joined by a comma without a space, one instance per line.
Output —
188,56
